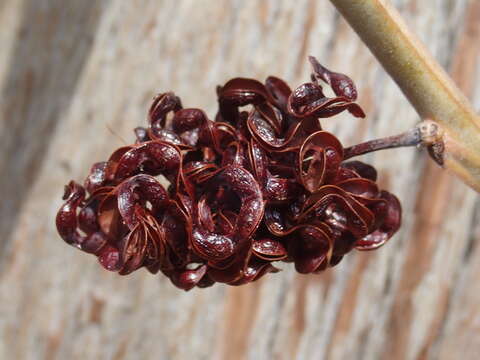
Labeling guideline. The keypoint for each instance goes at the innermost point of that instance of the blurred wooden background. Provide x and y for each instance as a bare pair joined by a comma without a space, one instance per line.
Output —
77,76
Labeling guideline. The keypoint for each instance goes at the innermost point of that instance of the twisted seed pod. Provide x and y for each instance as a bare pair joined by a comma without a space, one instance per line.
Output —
261,184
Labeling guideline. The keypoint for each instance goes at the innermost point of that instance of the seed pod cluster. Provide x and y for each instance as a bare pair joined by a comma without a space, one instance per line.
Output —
206,201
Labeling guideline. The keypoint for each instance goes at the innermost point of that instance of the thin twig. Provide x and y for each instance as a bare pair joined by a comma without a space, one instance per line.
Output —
410,137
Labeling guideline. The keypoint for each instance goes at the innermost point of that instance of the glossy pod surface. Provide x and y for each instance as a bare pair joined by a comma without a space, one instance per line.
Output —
260,184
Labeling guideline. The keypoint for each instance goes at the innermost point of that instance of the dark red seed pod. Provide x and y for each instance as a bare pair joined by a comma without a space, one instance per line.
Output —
207,201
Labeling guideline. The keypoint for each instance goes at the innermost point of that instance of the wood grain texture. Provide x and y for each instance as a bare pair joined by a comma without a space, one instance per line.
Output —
77,76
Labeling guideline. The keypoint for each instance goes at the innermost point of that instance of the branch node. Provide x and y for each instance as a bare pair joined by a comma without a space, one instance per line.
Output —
431,134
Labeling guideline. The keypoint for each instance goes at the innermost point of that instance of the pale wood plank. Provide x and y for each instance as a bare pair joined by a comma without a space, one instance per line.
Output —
97,65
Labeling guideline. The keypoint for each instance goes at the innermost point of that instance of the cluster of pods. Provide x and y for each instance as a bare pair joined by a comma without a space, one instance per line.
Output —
208,201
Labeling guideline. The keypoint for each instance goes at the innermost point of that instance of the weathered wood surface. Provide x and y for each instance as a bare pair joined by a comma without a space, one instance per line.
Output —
72,70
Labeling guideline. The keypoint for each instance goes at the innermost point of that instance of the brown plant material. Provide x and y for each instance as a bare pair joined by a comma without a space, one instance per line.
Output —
260,184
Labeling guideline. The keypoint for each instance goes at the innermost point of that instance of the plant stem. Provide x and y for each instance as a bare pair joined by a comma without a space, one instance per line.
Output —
411,137
426,85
